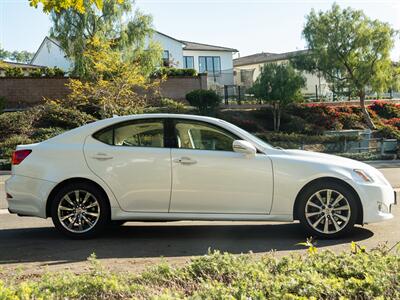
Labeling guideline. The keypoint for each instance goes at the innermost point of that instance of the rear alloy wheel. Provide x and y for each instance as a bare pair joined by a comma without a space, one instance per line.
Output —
80,211
328,211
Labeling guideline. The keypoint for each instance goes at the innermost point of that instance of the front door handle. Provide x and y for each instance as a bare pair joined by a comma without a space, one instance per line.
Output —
185,161
102,156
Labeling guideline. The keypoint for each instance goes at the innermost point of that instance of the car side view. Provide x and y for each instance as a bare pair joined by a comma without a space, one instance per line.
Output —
163,167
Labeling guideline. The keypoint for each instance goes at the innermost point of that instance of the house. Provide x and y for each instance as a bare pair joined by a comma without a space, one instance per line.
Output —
216,61
248,68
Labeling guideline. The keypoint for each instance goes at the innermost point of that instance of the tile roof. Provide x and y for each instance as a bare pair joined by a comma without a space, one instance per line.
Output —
265,57
205,47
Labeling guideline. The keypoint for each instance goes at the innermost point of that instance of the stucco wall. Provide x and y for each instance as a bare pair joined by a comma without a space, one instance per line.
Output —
174,47
50,55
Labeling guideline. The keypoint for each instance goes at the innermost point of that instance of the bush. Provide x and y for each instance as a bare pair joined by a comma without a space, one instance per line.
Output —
2,104
36,73
8,145
14,72
388,132
13,123
385,110
206,101
395,122
173,72
52,115
42,134
316,275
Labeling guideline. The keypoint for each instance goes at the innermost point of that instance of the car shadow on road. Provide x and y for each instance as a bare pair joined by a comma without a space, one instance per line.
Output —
172,240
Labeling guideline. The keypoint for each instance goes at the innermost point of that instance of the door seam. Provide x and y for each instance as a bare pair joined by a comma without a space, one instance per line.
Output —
172,178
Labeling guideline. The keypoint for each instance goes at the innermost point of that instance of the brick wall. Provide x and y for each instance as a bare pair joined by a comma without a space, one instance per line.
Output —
23,92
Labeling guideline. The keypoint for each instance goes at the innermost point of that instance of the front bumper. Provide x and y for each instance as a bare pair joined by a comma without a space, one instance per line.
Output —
377,201
29,195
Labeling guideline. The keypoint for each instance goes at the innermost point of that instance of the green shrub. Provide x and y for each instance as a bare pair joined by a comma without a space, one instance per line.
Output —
2,104
36,73
56,116
388,132
316,275
386,110
13,123
14,72
8,145
42,134
173,72
206,101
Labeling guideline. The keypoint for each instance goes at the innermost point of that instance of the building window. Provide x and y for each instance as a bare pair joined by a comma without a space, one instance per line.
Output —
188,62
210,64
166,58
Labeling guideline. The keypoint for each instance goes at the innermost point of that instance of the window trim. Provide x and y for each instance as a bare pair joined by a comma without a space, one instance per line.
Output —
174,140
214,72
185,57
112,127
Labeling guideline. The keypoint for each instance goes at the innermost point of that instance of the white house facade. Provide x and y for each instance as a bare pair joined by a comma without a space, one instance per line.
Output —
216,61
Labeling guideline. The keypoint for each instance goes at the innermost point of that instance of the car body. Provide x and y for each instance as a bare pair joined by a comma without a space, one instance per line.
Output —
183,167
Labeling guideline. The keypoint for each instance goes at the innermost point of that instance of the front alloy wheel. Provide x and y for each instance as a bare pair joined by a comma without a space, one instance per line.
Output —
328,210
80,210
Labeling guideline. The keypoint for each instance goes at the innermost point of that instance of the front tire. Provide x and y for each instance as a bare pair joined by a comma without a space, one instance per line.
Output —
327,209
80,211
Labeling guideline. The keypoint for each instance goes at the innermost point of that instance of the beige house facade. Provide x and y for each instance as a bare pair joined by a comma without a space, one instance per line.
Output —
248,68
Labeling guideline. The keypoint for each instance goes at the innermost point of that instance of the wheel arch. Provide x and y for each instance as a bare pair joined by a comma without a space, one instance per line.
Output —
68,181
360,215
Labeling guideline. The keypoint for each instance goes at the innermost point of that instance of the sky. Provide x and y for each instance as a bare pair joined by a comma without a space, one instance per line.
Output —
251,26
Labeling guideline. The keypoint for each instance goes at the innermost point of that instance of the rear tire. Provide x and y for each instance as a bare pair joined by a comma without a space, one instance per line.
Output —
80,211
327,209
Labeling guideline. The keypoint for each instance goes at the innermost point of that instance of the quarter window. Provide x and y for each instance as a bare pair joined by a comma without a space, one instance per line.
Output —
202,136
143,134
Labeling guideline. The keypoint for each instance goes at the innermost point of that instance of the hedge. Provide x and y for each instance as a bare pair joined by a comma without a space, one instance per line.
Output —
353,275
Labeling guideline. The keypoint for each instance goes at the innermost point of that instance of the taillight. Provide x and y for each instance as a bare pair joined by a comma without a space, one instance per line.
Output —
19,155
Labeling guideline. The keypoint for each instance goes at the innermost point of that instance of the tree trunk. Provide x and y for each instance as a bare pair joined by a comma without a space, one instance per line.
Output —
366,115
274,114
278,119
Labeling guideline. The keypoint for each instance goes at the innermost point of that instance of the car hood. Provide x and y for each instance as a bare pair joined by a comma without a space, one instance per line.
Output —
327,159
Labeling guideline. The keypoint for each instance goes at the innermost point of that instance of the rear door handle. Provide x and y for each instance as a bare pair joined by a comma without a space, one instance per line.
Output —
102,156
185,161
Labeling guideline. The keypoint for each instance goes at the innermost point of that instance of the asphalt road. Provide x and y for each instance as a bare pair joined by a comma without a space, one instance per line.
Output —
34,244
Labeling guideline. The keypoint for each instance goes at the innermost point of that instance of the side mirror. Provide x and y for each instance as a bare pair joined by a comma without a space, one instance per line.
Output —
244,147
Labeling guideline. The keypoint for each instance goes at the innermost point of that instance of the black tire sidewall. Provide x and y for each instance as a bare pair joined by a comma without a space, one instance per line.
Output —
103,221
345,191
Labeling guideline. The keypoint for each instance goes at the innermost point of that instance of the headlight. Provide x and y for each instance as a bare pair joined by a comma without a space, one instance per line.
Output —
364,176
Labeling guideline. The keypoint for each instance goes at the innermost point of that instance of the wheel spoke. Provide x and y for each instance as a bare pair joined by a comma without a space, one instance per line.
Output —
68,199
328,196
67,217
326,225
340,197
343,218
87,220
344,207
337,227
65,208
313,214
318,221
72,223
320,198
94,204
77,197
314,205
87,195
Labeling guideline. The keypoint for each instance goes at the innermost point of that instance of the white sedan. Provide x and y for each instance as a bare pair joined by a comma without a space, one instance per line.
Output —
164,167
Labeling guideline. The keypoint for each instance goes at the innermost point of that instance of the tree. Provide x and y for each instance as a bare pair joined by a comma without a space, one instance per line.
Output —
281,84
351,51
60,5
3,53
21,56
115,86
115,22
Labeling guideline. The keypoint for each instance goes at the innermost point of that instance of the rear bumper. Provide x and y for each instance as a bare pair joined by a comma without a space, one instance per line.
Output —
29,195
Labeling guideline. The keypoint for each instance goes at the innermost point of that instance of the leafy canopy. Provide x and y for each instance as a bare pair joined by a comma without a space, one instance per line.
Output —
117,22
279,82
60,5
116,86
349,47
